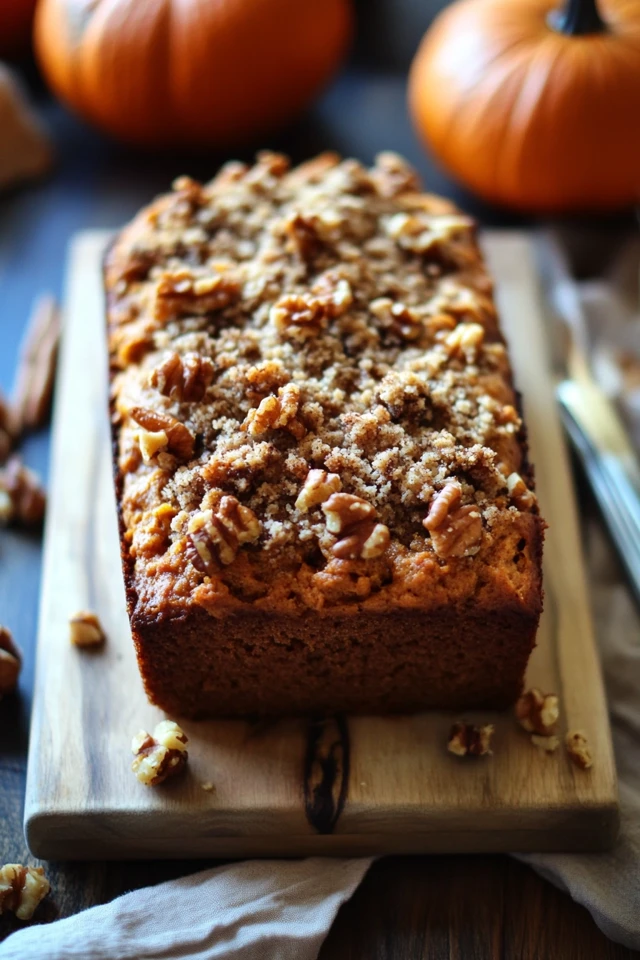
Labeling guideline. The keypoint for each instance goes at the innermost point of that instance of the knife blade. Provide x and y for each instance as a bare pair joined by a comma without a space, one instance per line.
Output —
591,420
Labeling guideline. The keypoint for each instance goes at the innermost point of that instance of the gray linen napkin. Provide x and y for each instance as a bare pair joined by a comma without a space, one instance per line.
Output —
276,910
256,910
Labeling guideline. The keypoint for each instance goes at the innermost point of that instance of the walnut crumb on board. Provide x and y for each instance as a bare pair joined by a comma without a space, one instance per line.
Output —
85,629
578,749
161,755
10,662
537,712
466,739
547,744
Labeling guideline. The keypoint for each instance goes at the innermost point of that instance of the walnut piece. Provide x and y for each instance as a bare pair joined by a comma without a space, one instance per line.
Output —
151,442
313,170
6,444
463,303
277,412
160,755
182,293
548,744
344,510
85,629
217,536
396,317
461,535
184,378
465,341
8,428
263,379
317,488
421,233
538,712
299,316
22,499
466,739
442,505
10,662
522,497
304,315
578,749
136,266
353,521
270,164
35,376
304,240
334,292
22,889
190,189
455,531
180,440
393,175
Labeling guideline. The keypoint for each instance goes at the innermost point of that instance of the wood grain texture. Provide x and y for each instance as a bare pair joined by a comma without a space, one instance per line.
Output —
395,790
450,908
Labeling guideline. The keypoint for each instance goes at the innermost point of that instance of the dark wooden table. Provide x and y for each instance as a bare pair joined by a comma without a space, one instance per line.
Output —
407,908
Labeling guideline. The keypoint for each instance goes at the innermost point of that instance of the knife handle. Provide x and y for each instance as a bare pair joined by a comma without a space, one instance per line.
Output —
613,474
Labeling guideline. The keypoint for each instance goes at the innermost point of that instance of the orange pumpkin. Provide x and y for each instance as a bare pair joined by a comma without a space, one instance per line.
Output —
16,17
189,72
532,107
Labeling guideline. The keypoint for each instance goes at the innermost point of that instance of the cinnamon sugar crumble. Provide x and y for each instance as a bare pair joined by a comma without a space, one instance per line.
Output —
328,326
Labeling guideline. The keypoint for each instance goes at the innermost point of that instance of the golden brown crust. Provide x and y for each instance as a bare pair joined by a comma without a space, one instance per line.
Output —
276,326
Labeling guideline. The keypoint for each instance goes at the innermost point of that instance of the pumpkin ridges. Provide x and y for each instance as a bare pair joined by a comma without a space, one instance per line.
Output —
498,88
575,143
510,170
104,66
217,71
417,78
231,48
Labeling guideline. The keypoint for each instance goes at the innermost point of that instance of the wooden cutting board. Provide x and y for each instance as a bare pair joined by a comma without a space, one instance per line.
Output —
339,786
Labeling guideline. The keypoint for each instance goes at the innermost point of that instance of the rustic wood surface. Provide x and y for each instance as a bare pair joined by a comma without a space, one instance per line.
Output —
404,793
408,908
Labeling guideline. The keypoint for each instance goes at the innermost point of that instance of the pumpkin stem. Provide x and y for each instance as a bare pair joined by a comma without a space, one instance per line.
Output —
577,17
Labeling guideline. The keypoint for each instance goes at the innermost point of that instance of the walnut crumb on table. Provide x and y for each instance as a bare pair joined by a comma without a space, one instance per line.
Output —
466,739
10,662
22,499
33,390
22,889
8,428
159,756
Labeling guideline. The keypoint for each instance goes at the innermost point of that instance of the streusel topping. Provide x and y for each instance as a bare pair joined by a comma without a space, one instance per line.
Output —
276,333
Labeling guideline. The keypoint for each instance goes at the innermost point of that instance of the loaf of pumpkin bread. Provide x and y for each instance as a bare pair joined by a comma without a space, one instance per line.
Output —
324,494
